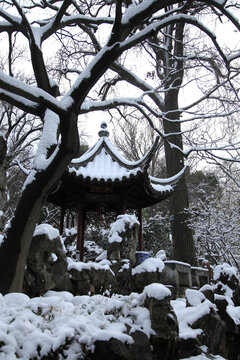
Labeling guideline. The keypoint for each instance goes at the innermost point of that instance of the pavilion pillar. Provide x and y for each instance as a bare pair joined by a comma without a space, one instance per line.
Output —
124,204
80,231
140,236
61,225
124,209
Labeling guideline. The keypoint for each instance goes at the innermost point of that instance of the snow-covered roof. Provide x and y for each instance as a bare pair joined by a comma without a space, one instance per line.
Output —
104,162
103,166
103,176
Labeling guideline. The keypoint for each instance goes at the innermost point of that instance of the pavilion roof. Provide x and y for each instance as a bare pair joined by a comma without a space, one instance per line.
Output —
102,165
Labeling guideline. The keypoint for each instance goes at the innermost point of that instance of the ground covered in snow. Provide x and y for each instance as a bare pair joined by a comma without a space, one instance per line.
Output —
69,325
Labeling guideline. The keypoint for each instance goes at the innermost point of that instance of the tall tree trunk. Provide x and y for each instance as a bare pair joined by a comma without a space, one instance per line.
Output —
19,234
3,180
170,64
183,244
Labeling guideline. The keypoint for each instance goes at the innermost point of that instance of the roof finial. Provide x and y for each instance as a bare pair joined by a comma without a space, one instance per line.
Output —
104,131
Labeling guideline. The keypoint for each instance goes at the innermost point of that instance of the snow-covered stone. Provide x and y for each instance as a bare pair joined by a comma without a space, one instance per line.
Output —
46,229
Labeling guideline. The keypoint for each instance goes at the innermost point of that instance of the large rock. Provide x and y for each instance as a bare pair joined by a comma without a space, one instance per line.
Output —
165,340
148,272
162,344
214,333
146,278
46,265
232,336
123,239
123,283
114,349
91,280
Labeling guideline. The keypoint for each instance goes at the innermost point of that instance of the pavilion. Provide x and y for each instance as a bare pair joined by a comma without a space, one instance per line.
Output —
102,180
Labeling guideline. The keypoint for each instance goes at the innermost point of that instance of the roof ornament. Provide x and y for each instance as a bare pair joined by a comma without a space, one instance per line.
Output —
104,131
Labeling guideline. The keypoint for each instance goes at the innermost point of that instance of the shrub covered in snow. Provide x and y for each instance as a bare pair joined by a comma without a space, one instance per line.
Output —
59,325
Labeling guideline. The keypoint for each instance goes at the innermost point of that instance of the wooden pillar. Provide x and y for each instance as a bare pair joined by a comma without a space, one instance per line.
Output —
80,231
62,213
140,236
124,207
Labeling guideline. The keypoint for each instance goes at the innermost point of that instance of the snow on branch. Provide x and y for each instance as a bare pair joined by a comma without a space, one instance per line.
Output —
50,27
129,76
227,147
19,101
26,92
11,19
24,170
113,103
47,141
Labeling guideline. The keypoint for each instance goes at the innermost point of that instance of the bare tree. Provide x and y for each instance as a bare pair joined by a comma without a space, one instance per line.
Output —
59,141
215,218
133,137
174,65
20,131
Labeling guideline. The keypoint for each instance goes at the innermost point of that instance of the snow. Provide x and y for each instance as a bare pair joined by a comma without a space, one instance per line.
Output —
32,328
170,180
102,256
234,313
54,257
15,298
161,254
30,178
186,316
121,158
228,292
207,287
194,297
119,226
156,291
125,265
72,231
159,187
48,139
204,357
47,229
224,269
28,92
11,18
79,266
107,144
103,167
132,10
149,265
177,262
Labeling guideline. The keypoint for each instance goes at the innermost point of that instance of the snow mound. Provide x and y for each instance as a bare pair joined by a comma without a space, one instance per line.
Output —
119,226
194,297
186,316
224,269
161,254
156,291
149,265
60,325
80,266
46,229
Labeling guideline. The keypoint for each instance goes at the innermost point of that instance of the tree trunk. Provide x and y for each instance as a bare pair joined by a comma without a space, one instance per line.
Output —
19,234
183,244
3,180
